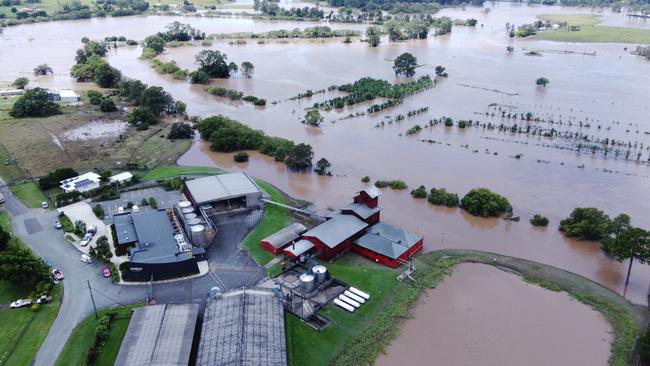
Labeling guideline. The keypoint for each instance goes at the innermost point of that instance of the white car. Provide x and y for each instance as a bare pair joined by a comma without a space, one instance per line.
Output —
135,209
120,210
92,230
20,303
85,258
85,241
44,204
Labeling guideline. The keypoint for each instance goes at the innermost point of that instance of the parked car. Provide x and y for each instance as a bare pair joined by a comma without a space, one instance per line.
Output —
46,262
106,271
44,300
57,274
20,303
85,258
44,204
92,229
2,198
57,225
86,239
135,209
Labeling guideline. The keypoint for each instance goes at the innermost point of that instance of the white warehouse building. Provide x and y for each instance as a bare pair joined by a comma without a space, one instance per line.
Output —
81,183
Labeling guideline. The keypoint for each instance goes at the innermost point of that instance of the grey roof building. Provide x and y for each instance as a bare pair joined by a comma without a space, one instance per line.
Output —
285,236
298,248
243,327
337,230
223,187
388,240
360,210
159,335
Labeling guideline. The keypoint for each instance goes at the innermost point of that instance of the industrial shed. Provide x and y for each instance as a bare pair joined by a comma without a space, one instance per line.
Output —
301,247
159,335
225,191
280,239
243,327
387,244
335,235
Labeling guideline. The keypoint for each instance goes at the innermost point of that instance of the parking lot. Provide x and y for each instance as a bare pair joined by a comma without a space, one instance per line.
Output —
163,198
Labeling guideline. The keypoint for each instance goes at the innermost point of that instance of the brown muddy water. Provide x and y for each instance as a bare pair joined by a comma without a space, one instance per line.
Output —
610,90
484,316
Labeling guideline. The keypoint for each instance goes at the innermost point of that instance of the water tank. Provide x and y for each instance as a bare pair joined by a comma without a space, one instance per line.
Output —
187,210
194,221
184,204
198,235
320,272
190,216
307,282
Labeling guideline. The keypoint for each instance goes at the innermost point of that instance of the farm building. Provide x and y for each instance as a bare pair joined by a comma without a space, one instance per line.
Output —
301,247
388,245
159,335
156,248
64,95
224,191
81,183
121,177
335,235
278,240
243,327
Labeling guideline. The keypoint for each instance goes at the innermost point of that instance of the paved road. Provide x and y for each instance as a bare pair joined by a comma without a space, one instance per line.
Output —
229,268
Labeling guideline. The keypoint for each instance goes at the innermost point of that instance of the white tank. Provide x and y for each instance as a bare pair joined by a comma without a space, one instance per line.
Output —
354,297
343,305
184,204
349,301
190,216
359,293
187,210
320,272
307,282
194,221
198,235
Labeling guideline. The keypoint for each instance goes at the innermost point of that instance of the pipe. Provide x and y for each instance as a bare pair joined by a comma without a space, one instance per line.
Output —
349,301
343,305
354,297
359,293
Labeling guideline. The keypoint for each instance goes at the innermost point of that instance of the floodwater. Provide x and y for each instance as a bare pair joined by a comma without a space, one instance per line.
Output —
609,92
484,316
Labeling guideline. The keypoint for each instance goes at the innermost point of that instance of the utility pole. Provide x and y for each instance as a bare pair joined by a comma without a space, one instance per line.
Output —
92,298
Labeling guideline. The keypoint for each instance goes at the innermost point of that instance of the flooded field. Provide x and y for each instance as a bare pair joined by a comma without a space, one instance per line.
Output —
598,96
484,316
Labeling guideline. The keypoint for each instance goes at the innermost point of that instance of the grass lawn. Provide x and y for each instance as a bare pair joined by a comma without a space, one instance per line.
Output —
29,194
171,171
5,220
275,218
11,172
590,31
24,331
74,352
50,6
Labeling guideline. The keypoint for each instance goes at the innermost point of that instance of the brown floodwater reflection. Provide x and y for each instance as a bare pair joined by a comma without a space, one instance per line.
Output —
484,316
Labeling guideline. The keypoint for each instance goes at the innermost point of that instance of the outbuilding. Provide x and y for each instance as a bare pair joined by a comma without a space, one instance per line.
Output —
335,235
280,239
121,177
81,183
224,191
388,245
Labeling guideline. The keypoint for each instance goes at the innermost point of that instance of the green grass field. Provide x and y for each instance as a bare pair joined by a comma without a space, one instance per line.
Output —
5,220
590,31
29,194
9,172
24,331
50,6
171,171
75,349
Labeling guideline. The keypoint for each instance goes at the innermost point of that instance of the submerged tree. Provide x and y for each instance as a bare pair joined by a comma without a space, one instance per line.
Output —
631,243
542,82
405,65
247,68
213,63
373,33
20,83
43,69
322,167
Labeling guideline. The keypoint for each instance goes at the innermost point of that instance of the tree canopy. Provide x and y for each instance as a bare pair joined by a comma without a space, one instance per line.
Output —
373,34
483,202
542,82
34,103
213,63
629,243
300,157
405,65
20,83
588,223
43,69
247,69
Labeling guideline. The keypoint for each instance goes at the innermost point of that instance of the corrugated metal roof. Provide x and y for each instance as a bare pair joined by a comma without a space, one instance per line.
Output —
388,240
154,235
372,191
220,187
337,229
124,229
286,235
362,210
159,335
299,248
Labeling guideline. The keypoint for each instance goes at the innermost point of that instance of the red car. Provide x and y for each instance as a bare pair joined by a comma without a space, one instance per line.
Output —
106,271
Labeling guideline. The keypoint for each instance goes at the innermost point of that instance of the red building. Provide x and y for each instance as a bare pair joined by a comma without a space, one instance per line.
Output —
275,242
388,245
335,235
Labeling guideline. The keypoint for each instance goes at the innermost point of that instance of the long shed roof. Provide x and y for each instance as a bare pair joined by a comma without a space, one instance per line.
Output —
220,187
286,235
337,229
388,240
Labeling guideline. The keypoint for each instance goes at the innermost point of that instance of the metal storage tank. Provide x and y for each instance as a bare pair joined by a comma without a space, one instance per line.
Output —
198,235
187,210
194,221
320,272
190,216
184,204
307,282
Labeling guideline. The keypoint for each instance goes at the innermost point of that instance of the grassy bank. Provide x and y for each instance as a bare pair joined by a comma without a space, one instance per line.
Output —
75,349
11,172
29,194
590,31
171,171
23,331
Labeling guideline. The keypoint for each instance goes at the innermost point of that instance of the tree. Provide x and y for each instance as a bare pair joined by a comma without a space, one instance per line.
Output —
300,157
542,82
213,63
643,347
142,115
373,34
539,220
95,48
107,105
247,68
157,100
322,167
20,83
313,117
631,243
241,157
4,239
180,130
233,68
199,77
52,179
440,71
43,69
510,49
483,202
419,192
587,223
34,103
405,65
155,43
106,76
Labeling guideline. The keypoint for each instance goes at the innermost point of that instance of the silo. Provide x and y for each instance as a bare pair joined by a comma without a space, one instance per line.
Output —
184,204
187,210
307,282
190,216
320,272
197,232
194,221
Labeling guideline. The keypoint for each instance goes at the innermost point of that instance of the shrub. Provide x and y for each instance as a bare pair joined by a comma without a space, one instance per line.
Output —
241,157
35,308
34,103
365,179
643,345
80,228
94,96
485,203
53,179
586,223
419,192
397,184
381,184
107,105
153,203
98,210
442,197
181,130
539,220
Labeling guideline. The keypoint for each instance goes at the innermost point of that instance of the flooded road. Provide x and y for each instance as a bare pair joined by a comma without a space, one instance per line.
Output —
484,316
601,96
